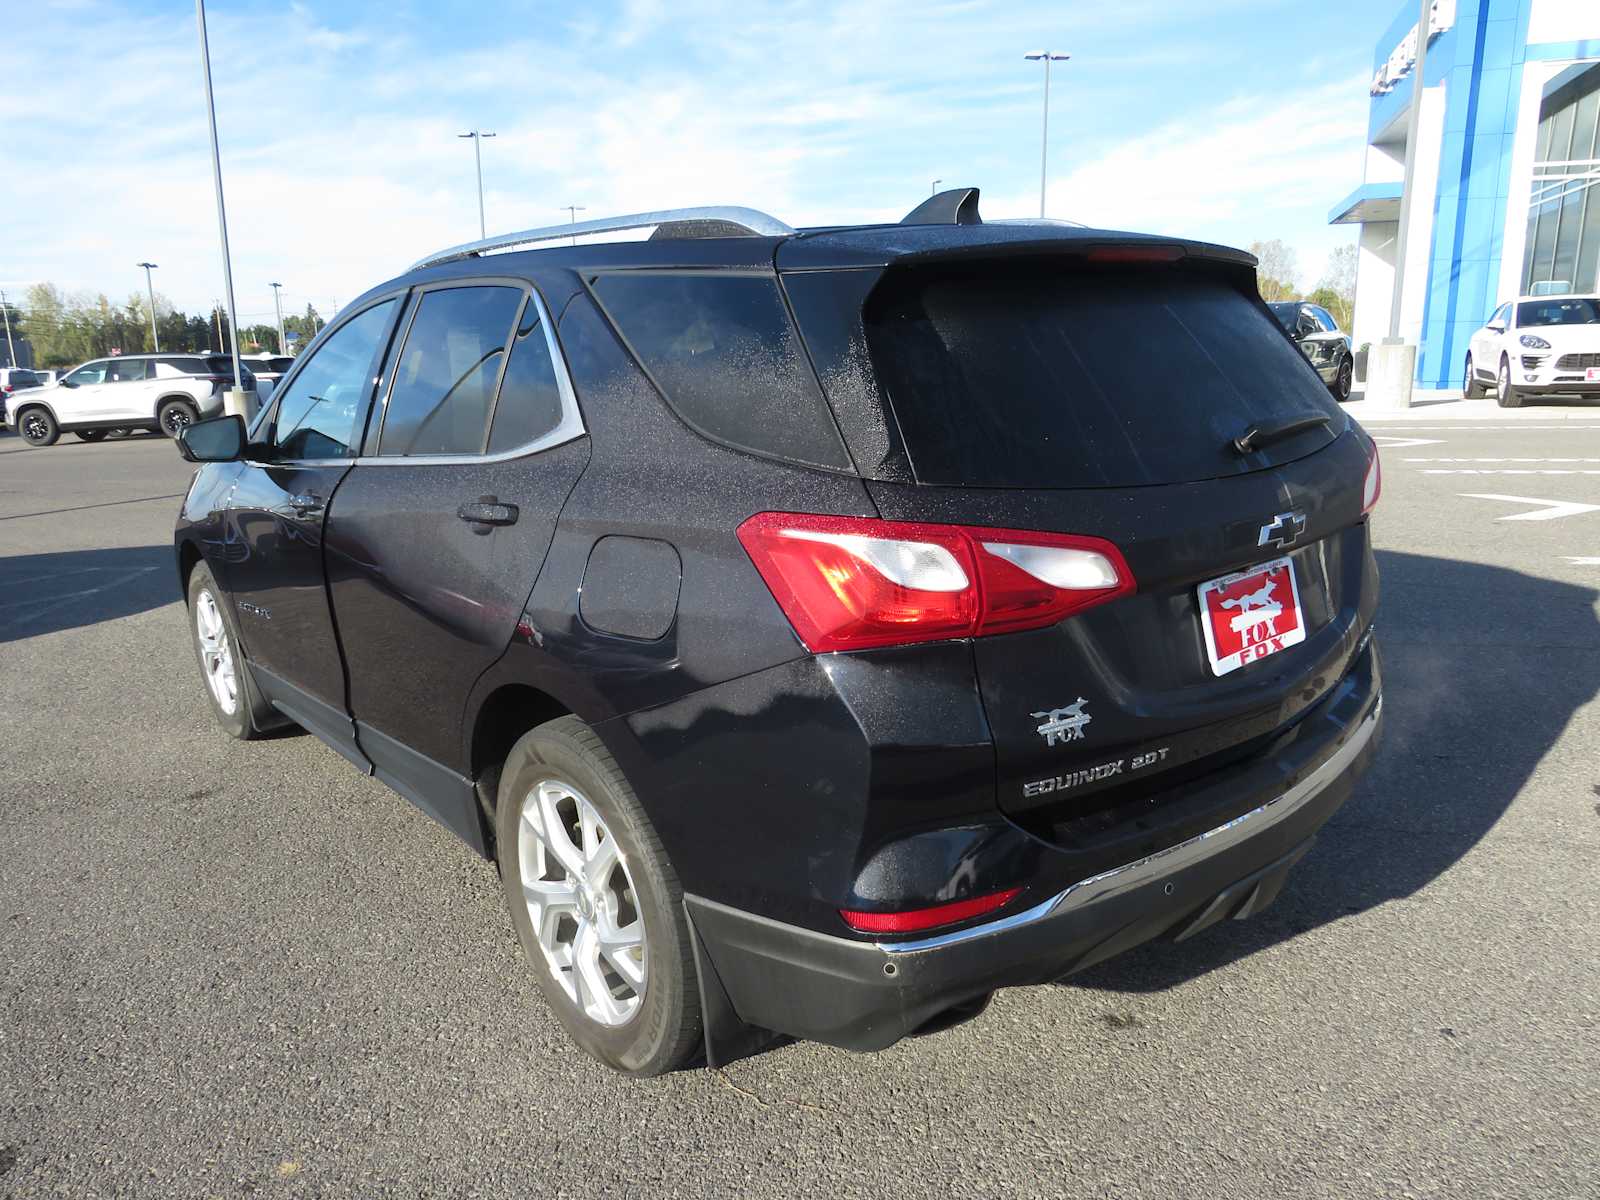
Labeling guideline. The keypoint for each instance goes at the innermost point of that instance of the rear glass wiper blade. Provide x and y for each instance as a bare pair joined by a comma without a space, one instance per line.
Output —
1259,436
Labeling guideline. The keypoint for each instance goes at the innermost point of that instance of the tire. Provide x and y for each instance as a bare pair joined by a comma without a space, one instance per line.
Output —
1343,380
175,416
557,769
1506,393
90,435
37,427
249,716
1471,388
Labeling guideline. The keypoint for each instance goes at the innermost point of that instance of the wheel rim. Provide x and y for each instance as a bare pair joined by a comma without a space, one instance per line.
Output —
1470,375
175,420
216,653
582,903
1346,376
1505,380
34,427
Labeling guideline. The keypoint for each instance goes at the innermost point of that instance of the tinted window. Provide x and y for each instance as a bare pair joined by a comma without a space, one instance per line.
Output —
445,376
723,352
94,372
317,413
1559,312
127,370
1287,314
1325,319
185,366
1056,378
530,400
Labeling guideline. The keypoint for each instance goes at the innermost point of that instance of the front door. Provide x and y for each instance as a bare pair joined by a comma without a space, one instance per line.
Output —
435,537
276,514
81,396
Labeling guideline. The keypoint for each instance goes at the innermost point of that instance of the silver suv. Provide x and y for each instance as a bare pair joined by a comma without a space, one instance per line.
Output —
168,392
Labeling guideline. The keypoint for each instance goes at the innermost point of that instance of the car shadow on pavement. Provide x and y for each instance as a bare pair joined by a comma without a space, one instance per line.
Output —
1480,680
46,593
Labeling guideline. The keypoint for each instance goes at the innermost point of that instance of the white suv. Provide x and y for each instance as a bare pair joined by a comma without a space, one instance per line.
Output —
1537,346
168,392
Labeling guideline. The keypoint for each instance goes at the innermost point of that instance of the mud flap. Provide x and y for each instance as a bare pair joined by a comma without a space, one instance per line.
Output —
727,1037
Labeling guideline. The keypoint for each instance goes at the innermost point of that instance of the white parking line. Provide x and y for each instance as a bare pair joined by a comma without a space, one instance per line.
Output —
1501,460
1470,471
1549,510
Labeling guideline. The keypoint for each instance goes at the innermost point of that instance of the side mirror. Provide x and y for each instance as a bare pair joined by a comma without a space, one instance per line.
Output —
66,383
221,439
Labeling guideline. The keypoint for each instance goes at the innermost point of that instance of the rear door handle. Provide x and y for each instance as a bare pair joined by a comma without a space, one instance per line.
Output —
487,511
305,504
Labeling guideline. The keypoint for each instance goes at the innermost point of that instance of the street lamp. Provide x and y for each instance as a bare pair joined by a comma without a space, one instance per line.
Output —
933,188
150,290
222,213
1047,57
477,136
277,303
572,211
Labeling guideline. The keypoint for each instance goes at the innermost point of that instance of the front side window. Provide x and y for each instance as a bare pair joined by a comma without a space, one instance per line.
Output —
127,370
316,416
445,376
94,372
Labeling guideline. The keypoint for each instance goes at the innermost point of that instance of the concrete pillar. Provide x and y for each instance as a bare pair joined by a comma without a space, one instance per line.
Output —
239,402
1390,372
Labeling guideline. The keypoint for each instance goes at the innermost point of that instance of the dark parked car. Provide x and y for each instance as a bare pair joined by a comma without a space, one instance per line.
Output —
821,628
1319,337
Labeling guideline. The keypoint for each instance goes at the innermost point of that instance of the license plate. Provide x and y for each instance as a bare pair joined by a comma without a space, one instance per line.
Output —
1592,375
1251,615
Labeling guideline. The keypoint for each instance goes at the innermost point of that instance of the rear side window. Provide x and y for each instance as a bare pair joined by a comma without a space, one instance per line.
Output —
530,399
723,352
445,375
127,370
1050,377
168,368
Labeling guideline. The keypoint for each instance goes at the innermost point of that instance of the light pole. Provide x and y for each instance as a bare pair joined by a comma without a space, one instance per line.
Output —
477,136
572,211
222,213
1047,57
933,188
277,303
155,340
11,351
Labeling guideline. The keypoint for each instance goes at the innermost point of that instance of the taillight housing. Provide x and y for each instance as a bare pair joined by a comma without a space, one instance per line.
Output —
1372,485
916,920
854,583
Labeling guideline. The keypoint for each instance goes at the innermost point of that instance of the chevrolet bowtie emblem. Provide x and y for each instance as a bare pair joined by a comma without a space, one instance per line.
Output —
1283,530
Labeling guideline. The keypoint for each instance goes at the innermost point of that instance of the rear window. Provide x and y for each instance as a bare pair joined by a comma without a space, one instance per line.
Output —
722,351
1045,377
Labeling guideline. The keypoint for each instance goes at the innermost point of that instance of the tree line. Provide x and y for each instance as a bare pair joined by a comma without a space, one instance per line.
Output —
67,329
1335,291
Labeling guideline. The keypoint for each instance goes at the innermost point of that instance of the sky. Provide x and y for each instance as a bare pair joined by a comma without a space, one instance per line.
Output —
1228,120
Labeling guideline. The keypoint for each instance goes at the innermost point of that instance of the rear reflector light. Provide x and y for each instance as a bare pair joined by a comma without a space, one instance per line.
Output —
1372,486
1135,254
916,920
851,583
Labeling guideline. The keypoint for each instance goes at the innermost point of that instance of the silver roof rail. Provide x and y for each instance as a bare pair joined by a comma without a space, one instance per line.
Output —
717,220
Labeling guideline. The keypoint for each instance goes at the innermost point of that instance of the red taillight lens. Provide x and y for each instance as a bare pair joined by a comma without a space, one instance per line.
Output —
916,920
1372,486
850,583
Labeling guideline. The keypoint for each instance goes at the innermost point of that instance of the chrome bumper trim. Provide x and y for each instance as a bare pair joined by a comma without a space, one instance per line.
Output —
1171,860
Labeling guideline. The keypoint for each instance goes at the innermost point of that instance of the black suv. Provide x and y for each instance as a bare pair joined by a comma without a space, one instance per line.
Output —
821,628
1314,330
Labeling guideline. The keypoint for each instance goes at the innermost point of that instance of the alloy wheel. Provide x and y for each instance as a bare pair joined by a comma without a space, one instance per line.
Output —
582,903
1505,380
175,421
216,653
35,428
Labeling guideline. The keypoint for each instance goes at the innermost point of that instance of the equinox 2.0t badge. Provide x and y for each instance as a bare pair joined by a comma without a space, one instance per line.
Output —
1283,530
1064,724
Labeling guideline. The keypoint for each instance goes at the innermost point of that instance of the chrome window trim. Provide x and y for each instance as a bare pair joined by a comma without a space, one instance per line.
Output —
568,429
1170,860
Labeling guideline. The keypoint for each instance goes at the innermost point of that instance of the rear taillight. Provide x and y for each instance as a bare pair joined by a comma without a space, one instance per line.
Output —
851,583
1372,486
915,920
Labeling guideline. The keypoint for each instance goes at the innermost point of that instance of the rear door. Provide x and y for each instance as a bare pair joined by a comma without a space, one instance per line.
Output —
127,390
437,534
1105,402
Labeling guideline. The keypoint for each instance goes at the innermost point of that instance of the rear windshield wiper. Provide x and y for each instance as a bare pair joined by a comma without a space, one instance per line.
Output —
1260,436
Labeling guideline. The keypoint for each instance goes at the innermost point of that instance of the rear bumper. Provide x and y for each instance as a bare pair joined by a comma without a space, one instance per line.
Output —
865,996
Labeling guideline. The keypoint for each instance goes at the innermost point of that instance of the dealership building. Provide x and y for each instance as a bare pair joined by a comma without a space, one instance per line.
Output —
1507,164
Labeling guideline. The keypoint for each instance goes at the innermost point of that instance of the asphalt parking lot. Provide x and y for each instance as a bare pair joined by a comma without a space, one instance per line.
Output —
230,968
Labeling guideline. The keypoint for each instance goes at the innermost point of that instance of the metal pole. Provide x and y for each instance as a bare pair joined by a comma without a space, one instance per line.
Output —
477,159
277,303
11,351
572,211
155,338
1044,140
216,308
1413,123
222,212
933,188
